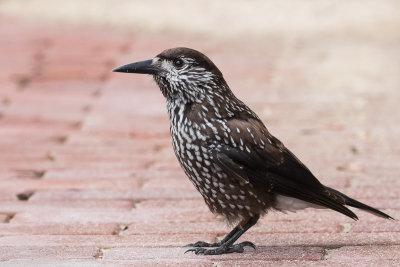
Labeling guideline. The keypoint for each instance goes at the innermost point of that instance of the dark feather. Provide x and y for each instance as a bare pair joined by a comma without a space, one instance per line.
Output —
357,204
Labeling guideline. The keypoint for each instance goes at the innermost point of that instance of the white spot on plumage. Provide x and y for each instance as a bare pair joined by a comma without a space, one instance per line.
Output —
221,175
189,155
205,175
233,142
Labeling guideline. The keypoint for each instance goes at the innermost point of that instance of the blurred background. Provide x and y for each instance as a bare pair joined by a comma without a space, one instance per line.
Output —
84,151
304,66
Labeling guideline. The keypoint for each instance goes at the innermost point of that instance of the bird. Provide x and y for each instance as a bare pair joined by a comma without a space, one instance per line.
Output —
241,170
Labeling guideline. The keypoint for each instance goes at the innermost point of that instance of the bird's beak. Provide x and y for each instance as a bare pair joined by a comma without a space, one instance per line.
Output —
144,67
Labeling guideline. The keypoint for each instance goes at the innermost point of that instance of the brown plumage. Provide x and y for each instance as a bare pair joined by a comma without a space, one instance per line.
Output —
239,168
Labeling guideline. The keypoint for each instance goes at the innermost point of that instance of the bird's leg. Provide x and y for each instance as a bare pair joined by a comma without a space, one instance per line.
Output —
227,245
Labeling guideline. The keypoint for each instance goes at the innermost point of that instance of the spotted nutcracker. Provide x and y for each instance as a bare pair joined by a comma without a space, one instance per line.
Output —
236,164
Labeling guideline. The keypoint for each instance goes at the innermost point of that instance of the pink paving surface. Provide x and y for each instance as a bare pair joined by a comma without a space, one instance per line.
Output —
88,176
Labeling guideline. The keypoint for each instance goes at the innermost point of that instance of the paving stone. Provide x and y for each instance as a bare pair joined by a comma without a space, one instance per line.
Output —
326,239
262,253
15,228
31,252
103,241
365,253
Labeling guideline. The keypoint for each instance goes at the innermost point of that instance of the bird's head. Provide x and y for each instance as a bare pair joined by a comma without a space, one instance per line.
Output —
183,74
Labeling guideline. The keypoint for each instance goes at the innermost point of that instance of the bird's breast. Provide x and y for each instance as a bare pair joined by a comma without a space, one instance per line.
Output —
192,132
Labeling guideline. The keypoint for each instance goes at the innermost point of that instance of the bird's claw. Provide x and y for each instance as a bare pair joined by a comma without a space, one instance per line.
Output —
203,244
237,248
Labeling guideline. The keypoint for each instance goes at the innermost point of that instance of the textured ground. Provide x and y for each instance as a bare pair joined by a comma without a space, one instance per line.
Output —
87,172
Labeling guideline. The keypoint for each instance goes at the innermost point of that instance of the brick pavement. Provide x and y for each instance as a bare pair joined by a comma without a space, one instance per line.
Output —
87,172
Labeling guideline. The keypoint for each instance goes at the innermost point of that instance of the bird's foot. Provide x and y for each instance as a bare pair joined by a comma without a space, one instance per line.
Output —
224,249
203,244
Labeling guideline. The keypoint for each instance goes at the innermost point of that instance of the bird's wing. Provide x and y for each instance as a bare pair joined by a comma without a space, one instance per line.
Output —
254,156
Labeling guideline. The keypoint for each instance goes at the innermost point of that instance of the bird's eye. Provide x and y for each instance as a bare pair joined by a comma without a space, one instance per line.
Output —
178,62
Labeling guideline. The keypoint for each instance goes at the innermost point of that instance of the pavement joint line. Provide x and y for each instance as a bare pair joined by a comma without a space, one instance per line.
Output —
34,174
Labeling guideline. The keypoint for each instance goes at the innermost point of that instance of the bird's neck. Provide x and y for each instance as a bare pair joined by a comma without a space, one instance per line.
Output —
204,108
213,101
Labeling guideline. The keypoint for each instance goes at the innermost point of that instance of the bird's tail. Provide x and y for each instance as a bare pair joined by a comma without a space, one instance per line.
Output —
356,204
